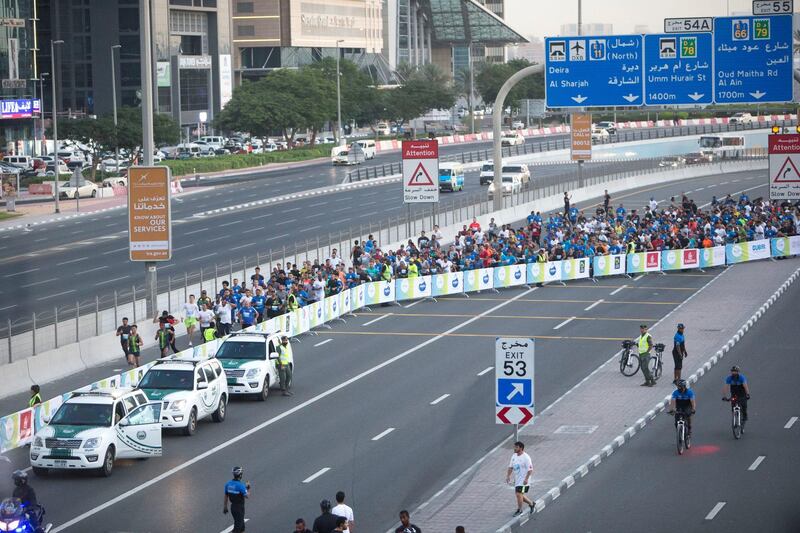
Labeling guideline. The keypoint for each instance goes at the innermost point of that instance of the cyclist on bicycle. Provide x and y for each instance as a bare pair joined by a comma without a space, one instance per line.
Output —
736,386
683,402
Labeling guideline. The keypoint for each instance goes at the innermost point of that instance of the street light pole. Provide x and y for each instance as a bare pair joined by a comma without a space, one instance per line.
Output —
114,101
42,146
471,91
53,79
339,129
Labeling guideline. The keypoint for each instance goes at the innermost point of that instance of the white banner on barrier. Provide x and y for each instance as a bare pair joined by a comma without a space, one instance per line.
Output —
332,307
478,280
345,301
608,265
747,251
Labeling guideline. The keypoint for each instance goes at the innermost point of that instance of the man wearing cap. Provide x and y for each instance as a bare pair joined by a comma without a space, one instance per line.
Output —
645,344
679,351
285,360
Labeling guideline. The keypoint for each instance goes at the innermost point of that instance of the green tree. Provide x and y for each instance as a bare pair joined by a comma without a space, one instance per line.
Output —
492,76
96,133
423,90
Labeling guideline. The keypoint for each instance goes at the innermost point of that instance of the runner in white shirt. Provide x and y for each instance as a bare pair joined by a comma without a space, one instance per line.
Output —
344,511
190,312
205,317
521,467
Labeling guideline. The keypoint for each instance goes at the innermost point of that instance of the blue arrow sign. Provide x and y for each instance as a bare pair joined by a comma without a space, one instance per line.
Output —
678,69
514,392
753,59
601,71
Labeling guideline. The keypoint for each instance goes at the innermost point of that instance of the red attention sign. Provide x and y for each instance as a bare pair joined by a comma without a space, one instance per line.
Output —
420,149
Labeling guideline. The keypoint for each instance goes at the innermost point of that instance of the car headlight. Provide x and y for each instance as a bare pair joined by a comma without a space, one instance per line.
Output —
38,442
178,405
10,526
253,372
94,442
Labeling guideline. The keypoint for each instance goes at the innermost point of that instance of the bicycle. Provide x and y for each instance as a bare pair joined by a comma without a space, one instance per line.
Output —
736,417
656,362
683,438
628,362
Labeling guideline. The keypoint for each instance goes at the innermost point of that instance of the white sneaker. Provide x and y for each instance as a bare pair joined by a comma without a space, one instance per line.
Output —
190,343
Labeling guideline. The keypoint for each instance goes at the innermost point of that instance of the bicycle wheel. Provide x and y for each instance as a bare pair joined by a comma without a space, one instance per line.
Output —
656,367
629,366
681,439
737,424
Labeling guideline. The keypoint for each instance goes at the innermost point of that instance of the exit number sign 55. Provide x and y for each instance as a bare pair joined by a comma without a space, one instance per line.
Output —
772,7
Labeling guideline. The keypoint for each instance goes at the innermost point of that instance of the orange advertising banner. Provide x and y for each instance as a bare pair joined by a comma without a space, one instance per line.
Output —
149,214
581,126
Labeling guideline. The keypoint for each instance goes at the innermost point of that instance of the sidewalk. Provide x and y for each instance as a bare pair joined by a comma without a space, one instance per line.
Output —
572,436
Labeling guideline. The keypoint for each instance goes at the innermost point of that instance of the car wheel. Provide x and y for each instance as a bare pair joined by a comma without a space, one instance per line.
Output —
41,472
264,394
94,193
191,426
108,463
219,414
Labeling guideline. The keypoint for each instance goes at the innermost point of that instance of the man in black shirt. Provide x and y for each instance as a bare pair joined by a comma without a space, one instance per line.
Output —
405,525
300,526
27,496
123,332
326,522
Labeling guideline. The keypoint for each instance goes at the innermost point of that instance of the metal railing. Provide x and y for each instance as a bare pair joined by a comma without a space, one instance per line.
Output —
43,331
537,145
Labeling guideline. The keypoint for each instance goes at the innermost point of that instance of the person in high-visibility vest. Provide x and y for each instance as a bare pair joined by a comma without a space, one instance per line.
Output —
210,333
413,269
645,344
285,364
291,301
36,397
631,247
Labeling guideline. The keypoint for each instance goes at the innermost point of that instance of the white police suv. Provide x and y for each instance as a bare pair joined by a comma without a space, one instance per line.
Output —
250,363
92,429
189,389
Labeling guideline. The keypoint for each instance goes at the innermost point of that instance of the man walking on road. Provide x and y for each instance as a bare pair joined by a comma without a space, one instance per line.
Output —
326,522
123,332
285,360
344,510
165,338
521,467
679,352
645,344
236,492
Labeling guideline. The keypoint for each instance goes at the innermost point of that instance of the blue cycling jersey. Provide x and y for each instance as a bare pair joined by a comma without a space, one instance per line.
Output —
236,491
683,400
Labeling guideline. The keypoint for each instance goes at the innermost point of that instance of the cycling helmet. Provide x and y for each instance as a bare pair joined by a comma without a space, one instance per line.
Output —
681,384
20,478
734,368
325,505
238,471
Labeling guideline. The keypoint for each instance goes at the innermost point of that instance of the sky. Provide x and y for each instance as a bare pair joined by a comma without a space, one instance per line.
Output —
543,18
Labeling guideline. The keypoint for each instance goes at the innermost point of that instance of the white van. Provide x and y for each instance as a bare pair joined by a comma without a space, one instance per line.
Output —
215,141
383,128
189,150
22,161
368,146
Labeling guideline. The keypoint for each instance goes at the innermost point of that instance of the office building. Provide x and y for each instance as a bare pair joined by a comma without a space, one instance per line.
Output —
191,51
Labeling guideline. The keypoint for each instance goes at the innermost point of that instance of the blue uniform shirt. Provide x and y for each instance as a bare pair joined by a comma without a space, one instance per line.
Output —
248,315
683,400
737,384
236,491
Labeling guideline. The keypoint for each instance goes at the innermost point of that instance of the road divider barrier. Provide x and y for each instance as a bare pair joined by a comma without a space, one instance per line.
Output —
17,429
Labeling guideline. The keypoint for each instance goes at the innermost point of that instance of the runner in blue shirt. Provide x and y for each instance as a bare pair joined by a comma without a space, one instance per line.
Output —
248,315
259,302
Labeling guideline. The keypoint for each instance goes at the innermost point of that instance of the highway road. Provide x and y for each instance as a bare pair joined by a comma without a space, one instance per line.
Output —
60,263
388,407
721,484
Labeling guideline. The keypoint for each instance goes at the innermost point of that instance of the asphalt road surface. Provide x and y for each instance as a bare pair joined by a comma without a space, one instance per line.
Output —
75,260
720,484
388,407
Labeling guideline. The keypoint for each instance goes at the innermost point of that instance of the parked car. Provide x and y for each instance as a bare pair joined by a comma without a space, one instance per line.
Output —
110,165
741,118
50,169
206,149
120,181
512,139
87,190
599,135
22,161
517,125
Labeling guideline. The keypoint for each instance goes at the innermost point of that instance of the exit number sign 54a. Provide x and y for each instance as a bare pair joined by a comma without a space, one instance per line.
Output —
688,25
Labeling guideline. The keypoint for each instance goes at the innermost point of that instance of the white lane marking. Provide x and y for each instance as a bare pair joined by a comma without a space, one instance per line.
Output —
255,429
35,240
252,230
203,256
567,321
188,246
249,244
485,370
700,188
111,280
339,221
439,399
376,319
314,476
790,423
382,434
412,304
717,508
292,209
286,222
7,307
230,223
342,209
54,295
20,273
277,237
95,269
229,529
311,228
598,302
326,341
615,291
72,261
38,282
757,462
117,250
195,231
222,238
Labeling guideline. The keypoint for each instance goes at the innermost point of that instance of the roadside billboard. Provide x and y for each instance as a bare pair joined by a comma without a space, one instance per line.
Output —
581,135
149,214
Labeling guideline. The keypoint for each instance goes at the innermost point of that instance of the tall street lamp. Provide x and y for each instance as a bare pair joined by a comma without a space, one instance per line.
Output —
43,145
114,100
339,131
54,81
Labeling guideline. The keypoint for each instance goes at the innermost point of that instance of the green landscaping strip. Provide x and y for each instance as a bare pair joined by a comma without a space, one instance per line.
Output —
188,167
